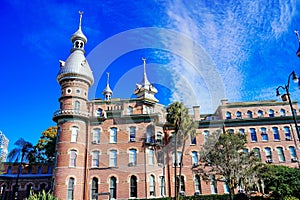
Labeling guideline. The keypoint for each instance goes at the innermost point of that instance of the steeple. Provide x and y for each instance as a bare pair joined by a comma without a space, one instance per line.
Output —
145,90
76,66
107,92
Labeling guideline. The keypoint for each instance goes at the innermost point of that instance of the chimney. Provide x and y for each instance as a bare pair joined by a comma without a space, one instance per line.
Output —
196,110
224,101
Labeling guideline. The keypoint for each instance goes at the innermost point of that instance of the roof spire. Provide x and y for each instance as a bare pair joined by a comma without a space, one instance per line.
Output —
145,79
107,92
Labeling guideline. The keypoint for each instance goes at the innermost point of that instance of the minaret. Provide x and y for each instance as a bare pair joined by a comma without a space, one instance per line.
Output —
145,90
107,92
75,78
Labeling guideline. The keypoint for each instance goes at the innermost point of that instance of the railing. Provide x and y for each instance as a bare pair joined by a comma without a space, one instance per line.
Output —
71,112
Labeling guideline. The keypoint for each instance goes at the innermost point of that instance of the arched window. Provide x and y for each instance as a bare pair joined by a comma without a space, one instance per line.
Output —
264,134
130,110
280,154
213,184
268,153
150,157
132,134
249,114
197,183
257,152
113,158
133,186
193,140
228,115
73,156
287,133
113,135
99,112
276,133
113,187
94,189
293,154
152,185
260,113
181,183
253,135
206,134
162,189
96,136
282,112
179,154
195,158
149,134
271,113
77,106
74,133
29,187
132,157
70,194
238,115
95,158
242,131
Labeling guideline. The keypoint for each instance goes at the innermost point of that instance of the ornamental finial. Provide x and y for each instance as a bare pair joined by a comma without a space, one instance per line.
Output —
80,18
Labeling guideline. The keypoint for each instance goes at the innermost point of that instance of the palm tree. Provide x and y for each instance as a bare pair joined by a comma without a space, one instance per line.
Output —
184,126
23,153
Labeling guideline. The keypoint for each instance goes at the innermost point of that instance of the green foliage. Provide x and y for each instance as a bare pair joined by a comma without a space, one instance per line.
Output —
281,181
223,155
45,148
290,198
41,196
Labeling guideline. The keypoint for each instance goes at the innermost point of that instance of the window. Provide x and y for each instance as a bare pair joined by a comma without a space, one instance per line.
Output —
99,112
197,183
293,154
181,183
260,113
132,157
130,110
228,115
287,133
149,134
249,114
96,136
159,138
271,113
195,158
132,134
162,188
74,133
94,189
76,106
246,152
253,135
238,115
264,134
179,154
193,140
282,112
160,157
112,158
113,187
276,133
152,185
257,153
40,169
133,186
205,133
70,195
226,188
113,135
242,131
73,156
230,131
95,159
280,154
29,187
150,157
268,155
213,184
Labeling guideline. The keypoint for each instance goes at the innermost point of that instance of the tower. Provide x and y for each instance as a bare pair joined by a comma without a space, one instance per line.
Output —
107,92
145,90
75,78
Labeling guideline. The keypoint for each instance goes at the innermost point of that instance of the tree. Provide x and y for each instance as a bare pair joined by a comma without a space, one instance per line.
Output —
184,126
45,148
281,181
24,152
223,155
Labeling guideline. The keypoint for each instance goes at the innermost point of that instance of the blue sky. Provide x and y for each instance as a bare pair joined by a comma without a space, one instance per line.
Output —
197,52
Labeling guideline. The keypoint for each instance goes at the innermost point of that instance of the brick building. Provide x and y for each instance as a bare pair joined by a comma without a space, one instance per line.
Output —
118,146
36,177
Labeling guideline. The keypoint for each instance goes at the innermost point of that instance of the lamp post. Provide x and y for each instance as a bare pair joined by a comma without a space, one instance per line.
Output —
286,97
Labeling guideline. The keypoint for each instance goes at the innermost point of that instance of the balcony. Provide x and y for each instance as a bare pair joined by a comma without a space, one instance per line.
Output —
70,112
